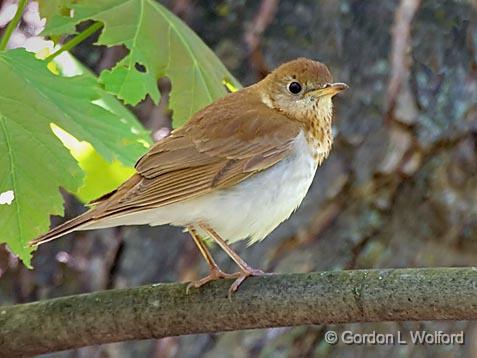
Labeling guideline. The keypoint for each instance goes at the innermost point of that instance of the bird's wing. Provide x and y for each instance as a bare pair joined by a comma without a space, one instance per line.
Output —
219,147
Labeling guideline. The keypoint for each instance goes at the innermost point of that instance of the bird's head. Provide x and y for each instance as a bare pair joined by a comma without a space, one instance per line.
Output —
302,89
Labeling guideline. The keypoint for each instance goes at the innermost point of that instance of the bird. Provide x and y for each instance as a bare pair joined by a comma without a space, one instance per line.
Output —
236,170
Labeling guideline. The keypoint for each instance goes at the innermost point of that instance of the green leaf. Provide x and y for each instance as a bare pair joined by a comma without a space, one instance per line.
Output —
33,161
128,85
50,8
159,44
101,176
69,66
29,161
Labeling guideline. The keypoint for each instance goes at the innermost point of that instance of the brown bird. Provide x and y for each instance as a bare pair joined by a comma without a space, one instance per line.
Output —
236,170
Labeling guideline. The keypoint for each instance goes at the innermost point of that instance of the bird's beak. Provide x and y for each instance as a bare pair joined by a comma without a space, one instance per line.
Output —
328,90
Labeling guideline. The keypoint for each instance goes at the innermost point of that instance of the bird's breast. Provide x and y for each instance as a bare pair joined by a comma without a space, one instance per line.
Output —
319,147
252,208
256,206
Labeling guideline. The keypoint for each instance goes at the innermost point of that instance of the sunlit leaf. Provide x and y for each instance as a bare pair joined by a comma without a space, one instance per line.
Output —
33,161
101,176
159,44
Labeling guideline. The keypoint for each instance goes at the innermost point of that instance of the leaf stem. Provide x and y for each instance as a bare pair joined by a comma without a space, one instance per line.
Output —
76,40
13,24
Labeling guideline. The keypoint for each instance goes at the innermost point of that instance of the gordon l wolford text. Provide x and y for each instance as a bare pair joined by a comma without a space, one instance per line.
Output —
415,337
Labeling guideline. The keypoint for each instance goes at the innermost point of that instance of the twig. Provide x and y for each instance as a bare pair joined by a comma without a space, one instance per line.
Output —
279,300
13,24
400,59
253,36
401,111
76,40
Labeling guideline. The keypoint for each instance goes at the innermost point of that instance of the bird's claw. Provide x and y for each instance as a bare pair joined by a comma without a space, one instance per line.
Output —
242,276
215,274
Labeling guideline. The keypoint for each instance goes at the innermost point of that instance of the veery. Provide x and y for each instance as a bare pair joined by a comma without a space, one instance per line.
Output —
234,171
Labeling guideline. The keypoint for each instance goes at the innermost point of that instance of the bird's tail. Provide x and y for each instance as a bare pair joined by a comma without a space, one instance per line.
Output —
74,224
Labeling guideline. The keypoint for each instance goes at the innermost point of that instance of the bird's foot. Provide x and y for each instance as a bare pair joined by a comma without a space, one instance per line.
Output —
242,276
215,274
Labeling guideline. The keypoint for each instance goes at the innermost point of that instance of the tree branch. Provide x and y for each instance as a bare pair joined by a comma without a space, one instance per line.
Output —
162,310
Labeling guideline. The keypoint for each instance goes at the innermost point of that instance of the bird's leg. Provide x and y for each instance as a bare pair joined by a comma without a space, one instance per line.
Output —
215,272
245,269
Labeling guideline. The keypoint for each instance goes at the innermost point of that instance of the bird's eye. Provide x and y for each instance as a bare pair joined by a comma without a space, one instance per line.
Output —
294,87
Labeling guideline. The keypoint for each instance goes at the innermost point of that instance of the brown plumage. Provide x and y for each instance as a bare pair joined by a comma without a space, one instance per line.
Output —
234,139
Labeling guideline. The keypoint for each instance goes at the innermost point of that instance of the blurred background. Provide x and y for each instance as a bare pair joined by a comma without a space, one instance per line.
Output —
399,189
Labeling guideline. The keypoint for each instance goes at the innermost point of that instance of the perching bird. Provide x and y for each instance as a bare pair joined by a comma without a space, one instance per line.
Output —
235,171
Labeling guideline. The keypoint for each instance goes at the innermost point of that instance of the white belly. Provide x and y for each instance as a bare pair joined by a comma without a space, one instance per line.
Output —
251,209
